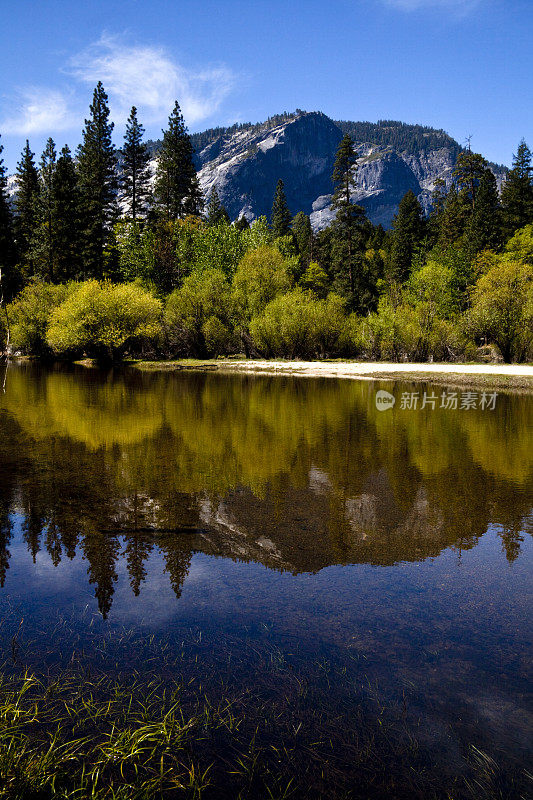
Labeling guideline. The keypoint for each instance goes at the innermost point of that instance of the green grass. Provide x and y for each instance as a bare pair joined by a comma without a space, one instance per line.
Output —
212,716
80,737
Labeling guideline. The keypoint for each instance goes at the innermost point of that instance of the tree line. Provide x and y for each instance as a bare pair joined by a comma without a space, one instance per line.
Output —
102,235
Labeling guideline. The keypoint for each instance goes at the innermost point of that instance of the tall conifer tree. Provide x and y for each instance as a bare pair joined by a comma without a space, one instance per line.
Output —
66,214
303,233
7,237
484,230
468,172
517,192
349,220
27,209
216,213
98,183
281,216
453,219
135,168
46,233
408,232
177,191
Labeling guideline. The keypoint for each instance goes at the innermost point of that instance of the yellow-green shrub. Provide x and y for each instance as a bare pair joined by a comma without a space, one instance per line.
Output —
104,320
29,316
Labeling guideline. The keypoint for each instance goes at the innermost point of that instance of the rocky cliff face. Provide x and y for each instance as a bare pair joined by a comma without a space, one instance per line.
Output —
246,164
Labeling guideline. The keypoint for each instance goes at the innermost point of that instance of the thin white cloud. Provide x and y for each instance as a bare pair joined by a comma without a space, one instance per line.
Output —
460,7
149,78
39,110
145,76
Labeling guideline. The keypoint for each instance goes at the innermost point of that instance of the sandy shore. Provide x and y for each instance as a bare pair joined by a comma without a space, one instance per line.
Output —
501,375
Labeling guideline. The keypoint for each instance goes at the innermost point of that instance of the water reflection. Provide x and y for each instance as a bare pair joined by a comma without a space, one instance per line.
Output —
293,474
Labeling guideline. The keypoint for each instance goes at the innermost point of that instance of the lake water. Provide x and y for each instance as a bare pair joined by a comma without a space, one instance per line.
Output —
278,530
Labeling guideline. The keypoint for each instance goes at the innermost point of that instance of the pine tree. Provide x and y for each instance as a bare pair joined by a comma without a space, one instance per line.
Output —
453,219
98,183
517,192
438,206
177,191
303,233
242,224
468,172
7,237
281,216
216,213
26,208
350,217
377,238
135,168
408,232
484,229
66,215
46,234
194,202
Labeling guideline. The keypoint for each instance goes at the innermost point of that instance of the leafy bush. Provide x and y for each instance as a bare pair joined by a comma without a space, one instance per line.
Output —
520,246
103,320
197,315
29,315
409,333
297,325
315,279
502,309
262,275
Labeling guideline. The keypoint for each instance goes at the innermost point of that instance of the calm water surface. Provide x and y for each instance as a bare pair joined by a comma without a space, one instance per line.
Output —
239,520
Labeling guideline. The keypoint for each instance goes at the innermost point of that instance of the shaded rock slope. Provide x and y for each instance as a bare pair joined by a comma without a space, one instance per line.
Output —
245,163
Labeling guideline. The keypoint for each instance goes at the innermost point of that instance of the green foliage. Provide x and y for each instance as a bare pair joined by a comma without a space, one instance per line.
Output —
198,315
464,268
452,220
29,315
399,135
44,235
520,246
204,247
303,233
7,236
315,280
484,230
502,309
433,285
135,168
258,234
216,213
468,173
409,333
177,192
408,230
103,320
262,275
347,228
27,208
96,161
66,219
281,216
517,191
136,251
297,325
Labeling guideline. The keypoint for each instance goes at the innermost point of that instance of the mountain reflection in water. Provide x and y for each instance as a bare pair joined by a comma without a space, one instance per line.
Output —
294,474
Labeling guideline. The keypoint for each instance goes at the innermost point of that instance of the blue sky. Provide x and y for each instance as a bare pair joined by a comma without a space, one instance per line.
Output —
462,65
